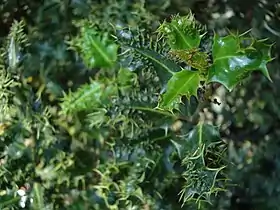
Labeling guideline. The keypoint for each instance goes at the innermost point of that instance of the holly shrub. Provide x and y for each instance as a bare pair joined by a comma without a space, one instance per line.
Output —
104,106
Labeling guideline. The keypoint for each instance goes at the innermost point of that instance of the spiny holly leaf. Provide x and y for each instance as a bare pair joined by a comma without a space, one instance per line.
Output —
16,40
200,182
182,32
232,62
163,66
96,49
200,178
182,83
201,137
88,97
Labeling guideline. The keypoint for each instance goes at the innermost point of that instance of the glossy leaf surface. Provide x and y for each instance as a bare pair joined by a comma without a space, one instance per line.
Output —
182,83
232,62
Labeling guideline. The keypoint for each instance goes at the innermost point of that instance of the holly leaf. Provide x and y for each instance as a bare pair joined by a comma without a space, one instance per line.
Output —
89,97
201,179
232,62
182,32
181,83
201,137
95,49
126,77
163,66
200,182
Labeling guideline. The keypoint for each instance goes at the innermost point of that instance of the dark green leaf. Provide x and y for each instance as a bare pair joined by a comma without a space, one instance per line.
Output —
200,182
200,178
16,150
8,201
232,63
163,66
200,138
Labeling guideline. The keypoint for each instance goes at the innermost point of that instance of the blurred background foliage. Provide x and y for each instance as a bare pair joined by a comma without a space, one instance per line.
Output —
59,154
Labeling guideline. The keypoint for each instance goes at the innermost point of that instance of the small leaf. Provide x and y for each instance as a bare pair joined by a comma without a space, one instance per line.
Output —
163,66
182,83
38,197
178,148
182,32
97,118
46,173
139,194
13,54
88,97
232,63
96,49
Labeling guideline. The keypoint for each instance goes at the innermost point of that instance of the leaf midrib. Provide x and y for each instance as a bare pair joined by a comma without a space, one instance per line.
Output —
94,87
100,51
155,60
182,35
179,89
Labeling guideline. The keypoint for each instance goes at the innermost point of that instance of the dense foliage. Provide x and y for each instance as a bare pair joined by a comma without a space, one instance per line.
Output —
130,105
